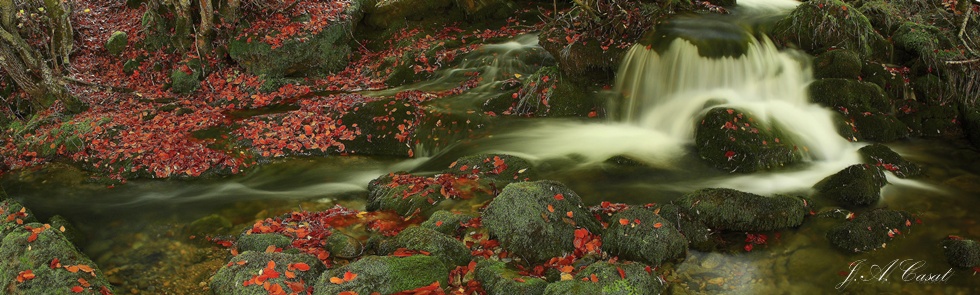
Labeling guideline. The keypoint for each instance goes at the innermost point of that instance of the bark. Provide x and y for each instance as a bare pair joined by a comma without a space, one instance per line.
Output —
205,30
61,30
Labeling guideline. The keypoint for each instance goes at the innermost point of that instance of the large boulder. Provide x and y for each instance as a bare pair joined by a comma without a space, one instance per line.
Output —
869,231
640,235
255,273
737,141
611,278
856,186
961,253
408,194
526,213
313,52
451,252
842,63
497,278
728,209
699,236
914,40
820,25
837,93
384,274
39,259
447,222
500,168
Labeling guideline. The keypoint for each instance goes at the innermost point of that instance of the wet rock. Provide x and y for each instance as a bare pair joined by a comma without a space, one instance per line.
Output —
756,145
842,63
526,213
881,155
883,15
699,236
379,123
549,93
27,254
572,287
497,278
872,125
260,242
323,51
849,94
11,212
817,26
870,231
610,278
344,246
500,168
249,271
117,43
971,126
728,209
68,228
447,222
385,275
961,253
408,194
210,225
450,251
915,40
856,186
639,235
891,79
938,121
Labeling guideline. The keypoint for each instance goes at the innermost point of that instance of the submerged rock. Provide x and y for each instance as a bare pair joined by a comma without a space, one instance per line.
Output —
610,278
817,26
881,155
640,235
450,251
736,141
248,272
527,213
497,278
728,209
387,125
870,231
855,186
961,253
384,274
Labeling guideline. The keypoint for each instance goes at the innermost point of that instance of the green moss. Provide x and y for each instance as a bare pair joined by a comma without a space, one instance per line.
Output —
520,218
633,280
756,145
646,237
893,83
872,125
260,242
213,224
857,185
497,278
849,94
385,275
915,40
20,252
817,26
450,251
883,15
8,208
961,253
838,64
698,235
318,54
870,230
70,231
446,222
939,121
184,83
378,121
879,154
344,246
117,43
232,278
728,209
132,65
573,287
502,168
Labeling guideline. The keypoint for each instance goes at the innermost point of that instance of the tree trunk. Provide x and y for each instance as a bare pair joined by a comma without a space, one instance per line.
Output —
61,30
204,32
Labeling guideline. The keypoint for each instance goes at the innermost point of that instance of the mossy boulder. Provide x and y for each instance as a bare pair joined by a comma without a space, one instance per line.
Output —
117,43
33,249
500,168
870,231
210,225
11,211
971,125
857,185
408,194
388,13
316,53
737,141
497,278
699,236
527,213
938,121
261,242
378,122
872,125
961,253
914,40
820,25
639,235
450,251
837,94
249,271
447,222
842,63
733,210
385,275
344,246
881,155
185,81
612,279
68,228
893,80
883,15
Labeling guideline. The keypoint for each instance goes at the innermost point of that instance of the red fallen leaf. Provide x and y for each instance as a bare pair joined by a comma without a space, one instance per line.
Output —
908,222
336,280
569,214
308,129
637,221
729,155
77,289
567,269
648,269
624,221
954,237
296,286
559,197
439,223
748,247
593,278
55,263
347,293
349,276
519,280
658,225
622,274
83,282
72,268
299,266
24,276
551,208
85,268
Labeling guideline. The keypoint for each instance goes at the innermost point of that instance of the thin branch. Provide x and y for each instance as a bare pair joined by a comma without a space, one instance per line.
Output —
100,86
959,62
963,29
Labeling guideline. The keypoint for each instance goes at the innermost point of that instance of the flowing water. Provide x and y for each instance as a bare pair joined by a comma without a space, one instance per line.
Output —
659,96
